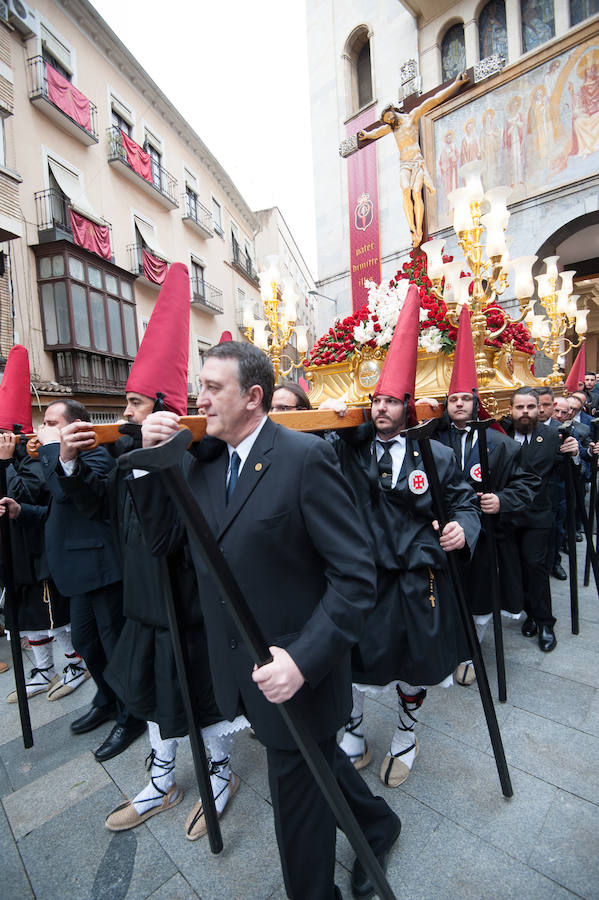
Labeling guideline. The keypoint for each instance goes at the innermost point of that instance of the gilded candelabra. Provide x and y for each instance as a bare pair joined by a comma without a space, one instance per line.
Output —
273,333
489,277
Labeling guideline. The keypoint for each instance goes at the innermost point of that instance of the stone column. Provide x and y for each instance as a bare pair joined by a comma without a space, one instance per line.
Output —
514,29
471,42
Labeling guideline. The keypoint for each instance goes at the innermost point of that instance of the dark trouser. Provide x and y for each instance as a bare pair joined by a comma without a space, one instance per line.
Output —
536,555
305,825
96,622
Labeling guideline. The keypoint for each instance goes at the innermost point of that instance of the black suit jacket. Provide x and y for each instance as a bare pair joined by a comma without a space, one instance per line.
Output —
541,456
291,537
82,555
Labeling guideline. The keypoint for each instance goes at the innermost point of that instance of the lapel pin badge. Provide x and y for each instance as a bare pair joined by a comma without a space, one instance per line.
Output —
258,467
539,439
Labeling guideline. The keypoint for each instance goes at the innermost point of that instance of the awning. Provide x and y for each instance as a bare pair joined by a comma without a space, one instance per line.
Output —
69,184
148,237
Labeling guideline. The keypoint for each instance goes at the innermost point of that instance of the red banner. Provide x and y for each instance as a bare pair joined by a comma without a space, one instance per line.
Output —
67,98
154,269
91,236
137,157
364,237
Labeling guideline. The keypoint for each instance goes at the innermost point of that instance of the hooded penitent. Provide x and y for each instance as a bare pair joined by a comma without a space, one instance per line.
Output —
464,379
398,377
160,366
15,391
576,374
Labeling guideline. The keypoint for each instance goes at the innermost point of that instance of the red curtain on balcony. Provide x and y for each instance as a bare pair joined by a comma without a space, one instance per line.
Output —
91,236
154,269
137,157
67,98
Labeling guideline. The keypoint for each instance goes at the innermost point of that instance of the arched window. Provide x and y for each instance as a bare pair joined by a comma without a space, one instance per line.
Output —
538,23
492,31
357,53
582,9
453,52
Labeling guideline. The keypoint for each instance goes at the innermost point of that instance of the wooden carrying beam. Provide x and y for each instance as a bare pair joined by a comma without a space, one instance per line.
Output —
296,419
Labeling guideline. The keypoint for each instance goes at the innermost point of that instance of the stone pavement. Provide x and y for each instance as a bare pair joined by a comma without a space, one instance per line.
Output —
460,837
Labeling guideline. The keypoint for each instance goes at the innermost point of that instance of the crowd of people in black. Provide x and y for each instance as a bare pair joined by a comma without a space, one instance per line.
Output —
335,546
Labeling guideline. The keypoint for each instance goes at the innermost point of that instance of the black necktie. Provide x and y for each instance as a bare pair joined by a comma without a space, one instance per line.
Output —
233,473
386,465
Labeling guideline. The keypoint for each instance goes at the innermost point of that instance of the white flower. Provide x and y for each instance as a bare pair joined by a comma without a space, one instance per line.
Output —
430,340
385,303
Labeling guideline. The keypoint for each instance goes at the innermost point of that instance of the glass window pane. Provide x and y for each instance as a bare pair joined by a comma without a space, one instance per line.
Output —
80,316
492,31
94,276
62,312
76,268
51,328
453,52
45,267
112,284
58,265
538,25
129,319
116,333
126,290
98,320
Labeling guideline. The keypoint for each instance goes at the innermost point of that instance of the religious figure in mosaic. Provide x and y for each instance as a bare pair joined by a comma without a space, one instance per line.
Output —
413,174
449,160
538,130
470,149
513,141
490,148
585,107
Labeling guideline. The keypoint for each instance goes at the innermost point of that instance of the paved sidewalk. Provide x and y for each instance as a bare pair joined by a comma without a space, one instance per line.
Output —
460,839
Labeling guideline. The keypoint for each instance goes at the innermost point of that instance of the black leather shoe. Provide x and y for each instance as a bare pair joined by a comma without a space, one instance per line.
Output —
118,740
559,573
529,627
95,716
361,885
547,639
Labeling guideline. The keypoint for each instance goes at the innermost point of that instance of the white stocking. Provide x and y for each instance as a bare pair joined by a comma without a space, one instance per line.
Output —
41,647
218,751
410,699
161,765
63,639
353,742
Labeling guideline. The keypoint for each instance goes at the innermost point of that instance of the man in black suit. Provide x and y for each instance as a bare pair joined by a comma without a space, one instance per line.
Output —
287,524
542,454
84,563
591,389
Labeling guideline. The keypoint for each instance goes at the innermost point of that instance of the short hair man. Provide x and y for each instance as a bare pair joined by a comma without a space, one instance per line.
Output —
541,453
273,487
289,395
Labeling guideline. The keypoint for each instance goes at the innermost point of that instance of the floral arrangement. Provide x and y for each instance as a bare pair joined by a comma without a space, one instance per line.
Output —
373,324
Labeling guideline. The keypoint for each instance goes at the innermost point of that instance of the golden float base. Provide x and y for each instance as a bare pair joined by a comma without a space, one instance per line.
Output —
355,379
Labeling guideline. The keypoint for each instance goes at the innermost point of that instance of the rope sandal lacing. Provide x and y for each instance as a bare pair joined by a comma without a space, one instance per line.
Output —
351,728
214,769
416,702
166,766
35,672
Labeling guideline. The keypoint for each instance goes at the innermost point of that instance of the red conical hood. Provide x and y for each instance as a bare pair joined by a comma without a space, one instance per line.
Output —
225,337
463,376
15,391
163,355
398,376
576,374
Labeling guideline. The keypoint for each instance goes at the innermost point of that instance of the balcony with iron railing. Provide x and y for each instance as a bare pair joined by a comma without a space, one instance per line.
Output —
62,102
136,265
54,220
160,184
197,216
243,264
206,297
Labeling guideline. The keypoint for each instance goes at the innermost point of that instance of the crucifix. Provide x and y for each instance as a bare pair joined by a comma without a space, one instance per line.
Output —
403,124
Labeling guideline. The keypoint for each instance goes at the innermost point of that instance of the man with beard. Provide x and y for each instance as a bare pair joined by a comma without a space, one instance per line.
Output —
542,454
413,637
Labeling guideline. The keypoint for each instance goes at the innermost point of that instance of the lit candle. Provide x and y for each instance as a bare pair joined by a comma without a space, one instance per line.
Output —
581,321
495,238
451,272
462,289
563,298
302,338
551,266
434,257
260,336
471,174
568,280
462,217
544,285
523,283
497,199
290,298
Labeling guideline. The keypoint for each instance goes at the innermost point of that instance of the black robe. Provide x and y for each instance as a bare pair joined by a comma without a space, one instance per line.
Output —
142,669
516,488
40,605
414,633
